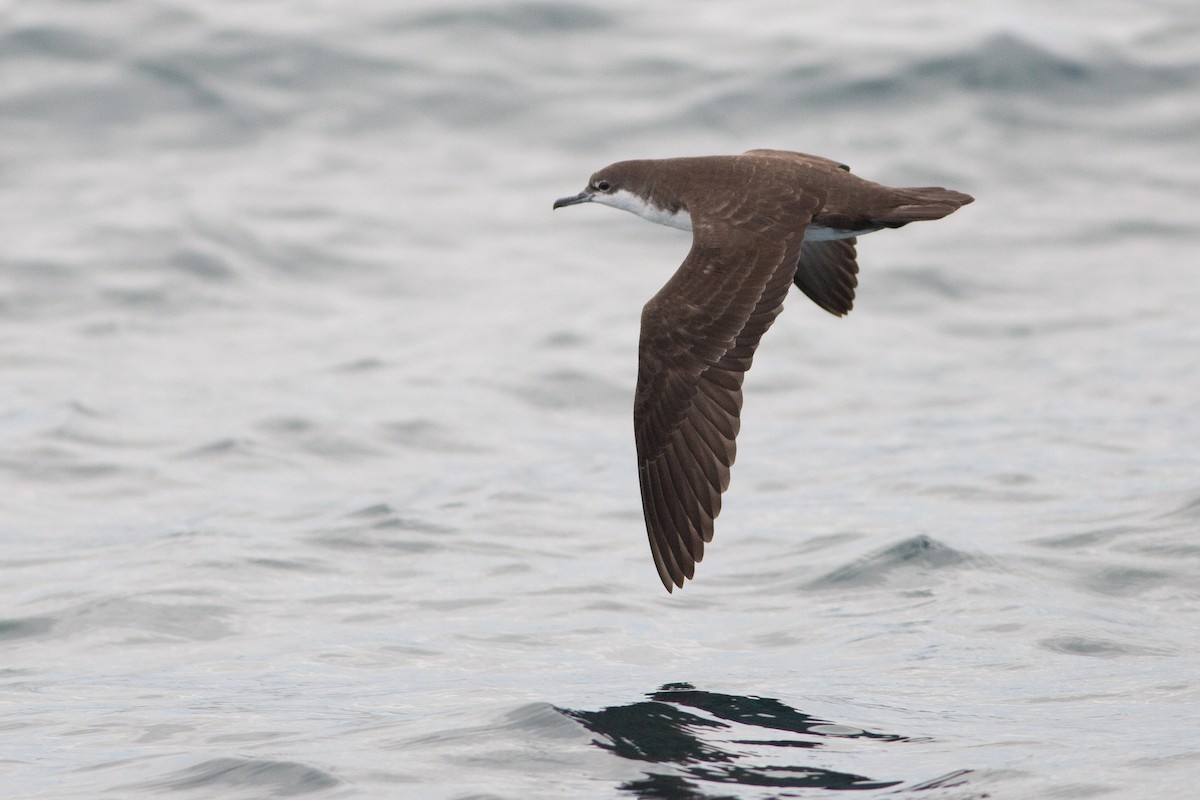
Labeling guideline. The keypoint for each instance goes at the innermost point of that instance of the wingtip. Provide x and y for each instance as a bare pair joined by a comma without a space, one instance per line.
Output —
668,580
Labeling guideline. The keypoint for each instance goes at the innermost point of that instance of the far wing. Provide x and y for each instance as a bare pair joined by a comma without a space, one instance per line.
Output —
828,274
794,156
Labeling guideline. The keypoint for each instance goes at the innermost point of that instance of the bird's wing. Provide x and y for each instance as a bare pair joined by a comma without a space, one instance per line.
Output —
791,155
698,339
828,273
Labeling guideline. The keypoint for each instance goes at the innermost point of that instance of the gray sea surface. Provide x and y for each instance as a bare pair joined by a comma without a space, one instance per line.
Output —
316,457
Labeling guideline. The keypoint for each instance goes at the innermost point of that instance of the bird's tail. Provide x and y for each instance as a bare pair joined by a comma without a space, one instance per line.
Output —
926,202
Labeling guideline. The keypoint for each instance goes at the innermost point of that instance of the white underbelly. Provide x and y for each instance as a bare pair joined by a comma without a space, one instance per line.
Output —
819,233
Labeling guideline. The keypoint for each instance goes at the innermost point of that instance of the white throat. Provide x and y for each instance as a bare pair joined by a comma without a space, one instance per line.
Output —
628,201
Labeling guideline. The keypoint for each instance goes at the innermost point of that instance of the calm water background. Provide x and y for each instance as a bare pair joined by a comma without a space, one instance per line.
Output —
315,440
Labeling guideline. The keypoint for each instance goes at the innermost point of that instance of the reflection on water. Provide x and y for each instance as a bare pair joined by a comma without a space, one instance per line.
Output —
708,737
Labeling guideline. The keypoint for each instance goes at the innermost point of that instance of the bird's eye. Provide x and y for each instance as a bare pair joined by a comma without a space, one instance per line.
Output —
603,186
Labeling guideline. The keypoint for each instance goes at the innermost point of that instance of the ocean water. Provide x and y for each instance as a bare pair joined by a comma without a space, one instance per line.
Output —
316,460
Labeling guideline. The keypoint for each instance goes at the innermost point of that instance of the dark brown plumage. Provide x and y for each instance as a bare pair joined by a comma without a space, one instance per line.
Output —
760,221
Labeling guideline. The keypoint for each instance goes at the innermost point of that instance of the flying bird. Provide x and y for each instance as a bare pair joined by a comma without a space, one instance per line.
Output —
759,221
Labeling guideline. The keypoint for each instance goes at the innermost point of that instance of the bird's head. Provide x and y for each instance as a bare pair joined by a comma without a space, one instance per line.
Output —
636,187
602,185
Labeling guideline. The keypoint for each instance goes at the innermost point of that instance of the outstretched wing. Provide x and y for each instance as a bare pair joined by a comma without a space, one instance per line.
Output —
699,334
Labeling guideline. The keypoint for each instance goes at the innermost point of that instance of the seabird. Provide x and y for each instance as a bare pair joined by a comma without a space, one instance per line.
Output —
759,221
